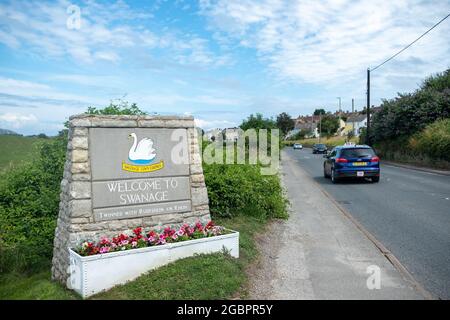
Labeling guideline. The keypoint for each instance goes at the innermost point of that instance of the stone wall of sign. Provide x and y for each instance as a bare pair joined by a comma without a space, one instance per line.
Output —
108,189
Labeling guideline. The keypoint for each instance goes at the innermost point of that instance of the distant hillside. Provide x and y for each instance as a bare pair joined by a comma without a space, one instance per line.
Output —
15,149
8,132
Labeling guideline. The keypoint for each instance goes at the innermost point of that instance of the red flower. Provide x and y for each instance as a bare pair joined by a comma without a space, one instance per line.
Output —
209,225
199,226
137,231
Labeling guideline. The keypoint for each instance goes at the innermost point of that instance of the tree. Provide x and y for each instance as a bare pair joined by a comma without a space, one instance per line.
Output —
120,107
329,125
285,123
319,111
258,122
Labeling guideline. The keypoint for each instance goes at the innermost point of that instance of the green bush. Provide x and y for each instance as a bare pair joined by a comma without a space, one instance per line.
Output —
241,190
428,147
433,141
412,112
29,199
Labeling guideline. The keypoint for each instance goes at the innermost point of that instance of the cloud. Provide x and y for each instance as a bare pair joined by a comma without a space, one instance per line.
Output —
334,41
17,120
107,31
213,124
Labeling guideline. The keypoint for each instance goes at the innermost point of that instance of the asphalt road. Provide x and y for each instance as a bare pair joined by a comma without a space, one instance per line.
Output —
408,211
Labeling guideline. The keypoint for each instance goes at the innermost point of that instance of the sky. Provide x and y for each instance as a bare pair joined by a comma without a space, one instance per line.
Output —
218,60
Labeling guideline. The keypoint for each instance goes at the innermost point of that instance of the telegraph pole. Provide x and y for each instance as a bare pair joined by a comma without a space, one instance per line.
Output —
320,125
368,108
353,111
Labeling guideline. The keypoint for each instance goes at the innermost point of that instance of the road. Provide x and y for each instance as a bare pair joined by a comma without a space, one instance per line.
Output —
408,211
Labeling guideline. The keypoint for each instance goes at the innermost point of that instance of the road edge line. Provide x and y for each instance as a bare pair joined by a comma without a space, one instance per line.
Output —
386,253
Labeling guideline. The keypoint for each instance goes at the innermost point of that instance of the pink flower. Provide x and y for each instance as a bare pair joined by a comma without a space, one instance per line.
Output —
174,236
124,242
134,244
104,249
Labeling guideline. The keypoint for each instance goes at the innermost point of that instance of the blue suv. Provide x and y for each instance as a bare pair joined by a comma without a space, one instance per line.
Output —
354,161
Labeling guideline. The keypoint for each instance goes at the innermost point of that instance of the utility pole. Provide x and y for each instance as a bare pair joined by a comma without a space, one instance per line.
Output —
320,125
353,118
339,114
368,108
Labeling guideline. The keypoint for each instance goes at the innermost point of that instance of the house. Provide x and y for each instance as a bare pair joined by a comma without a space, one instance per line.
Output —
308,124
355,123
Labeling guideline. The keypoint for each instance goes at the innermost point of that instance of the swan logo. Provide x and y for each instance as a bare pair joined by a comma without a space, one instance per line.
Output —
141,155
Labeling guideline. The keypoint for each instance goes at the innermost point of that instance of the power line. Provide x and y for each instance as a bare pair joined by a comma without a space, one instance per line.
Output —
409,45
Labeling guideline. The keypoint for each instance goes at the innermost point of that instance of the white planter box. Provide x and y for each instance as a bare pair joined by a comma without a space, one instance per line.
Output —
92,274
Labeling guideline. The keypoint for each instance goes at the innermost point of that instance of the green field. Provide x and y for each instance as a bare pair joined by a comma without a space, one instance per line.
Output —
15,149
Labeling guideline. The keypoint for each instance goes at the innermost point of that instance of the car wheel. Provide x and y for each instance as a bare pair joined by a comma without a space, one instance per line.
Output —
325,172
376,179
333,177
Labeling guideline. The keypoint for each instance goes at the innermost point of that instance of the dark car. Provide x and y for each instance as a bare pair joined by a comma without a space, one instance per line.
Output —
358,161
319,148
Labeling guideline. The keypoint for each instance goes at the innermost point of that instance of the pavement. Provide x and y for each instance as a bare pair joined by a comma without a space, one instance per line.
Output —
408,211
319,253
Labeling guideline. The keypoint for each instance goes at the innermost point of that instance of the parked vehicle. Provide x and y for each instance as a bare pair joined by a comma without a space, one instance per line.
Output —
358,161
297,146
319,148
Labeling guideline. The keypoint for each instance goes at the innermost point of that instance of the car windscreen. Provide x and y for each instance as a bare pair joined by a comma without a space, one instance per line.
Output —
320,145
357,153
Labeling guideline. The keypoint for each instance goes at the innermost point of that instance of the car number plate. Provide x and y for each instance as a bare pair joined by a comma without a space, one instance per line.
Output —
360,173
360,163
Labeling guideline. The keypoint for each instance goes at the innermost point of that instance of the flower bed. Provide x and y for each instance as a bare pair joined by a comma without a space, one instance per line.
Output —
95,267
140,239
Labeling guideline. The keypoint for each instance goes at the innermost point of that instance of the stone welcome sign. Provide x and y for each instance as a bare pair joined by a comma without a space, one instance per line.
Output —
123,172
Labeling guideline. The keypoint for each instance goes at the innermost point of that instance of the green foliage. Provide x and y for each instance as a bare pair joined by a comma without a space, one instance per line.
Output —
285,123
241,190
433,141
412,112
258,122
329,125
319,111
429,147
118,108
29,199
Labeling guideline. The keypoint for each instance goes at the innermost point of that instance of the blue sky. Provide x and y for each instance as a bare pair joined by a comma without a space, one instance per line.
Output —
216,60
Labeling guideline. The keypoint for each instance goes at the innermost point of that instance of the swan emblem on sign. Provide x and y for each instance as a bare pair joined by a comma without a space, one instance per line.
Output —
142,152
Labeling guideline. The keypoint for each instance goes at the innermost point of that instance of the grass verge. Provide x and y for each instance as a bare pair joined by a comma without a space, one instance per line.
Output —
216,276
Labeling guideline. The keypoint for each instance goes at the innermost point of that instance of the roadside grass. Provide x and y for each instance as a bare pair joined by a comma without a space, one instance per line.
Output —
330,142
15,149
215,276
15,286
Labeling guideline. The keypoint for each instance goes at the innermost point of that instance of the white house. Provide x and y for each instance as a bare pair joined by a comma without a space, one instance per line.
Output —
356,123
